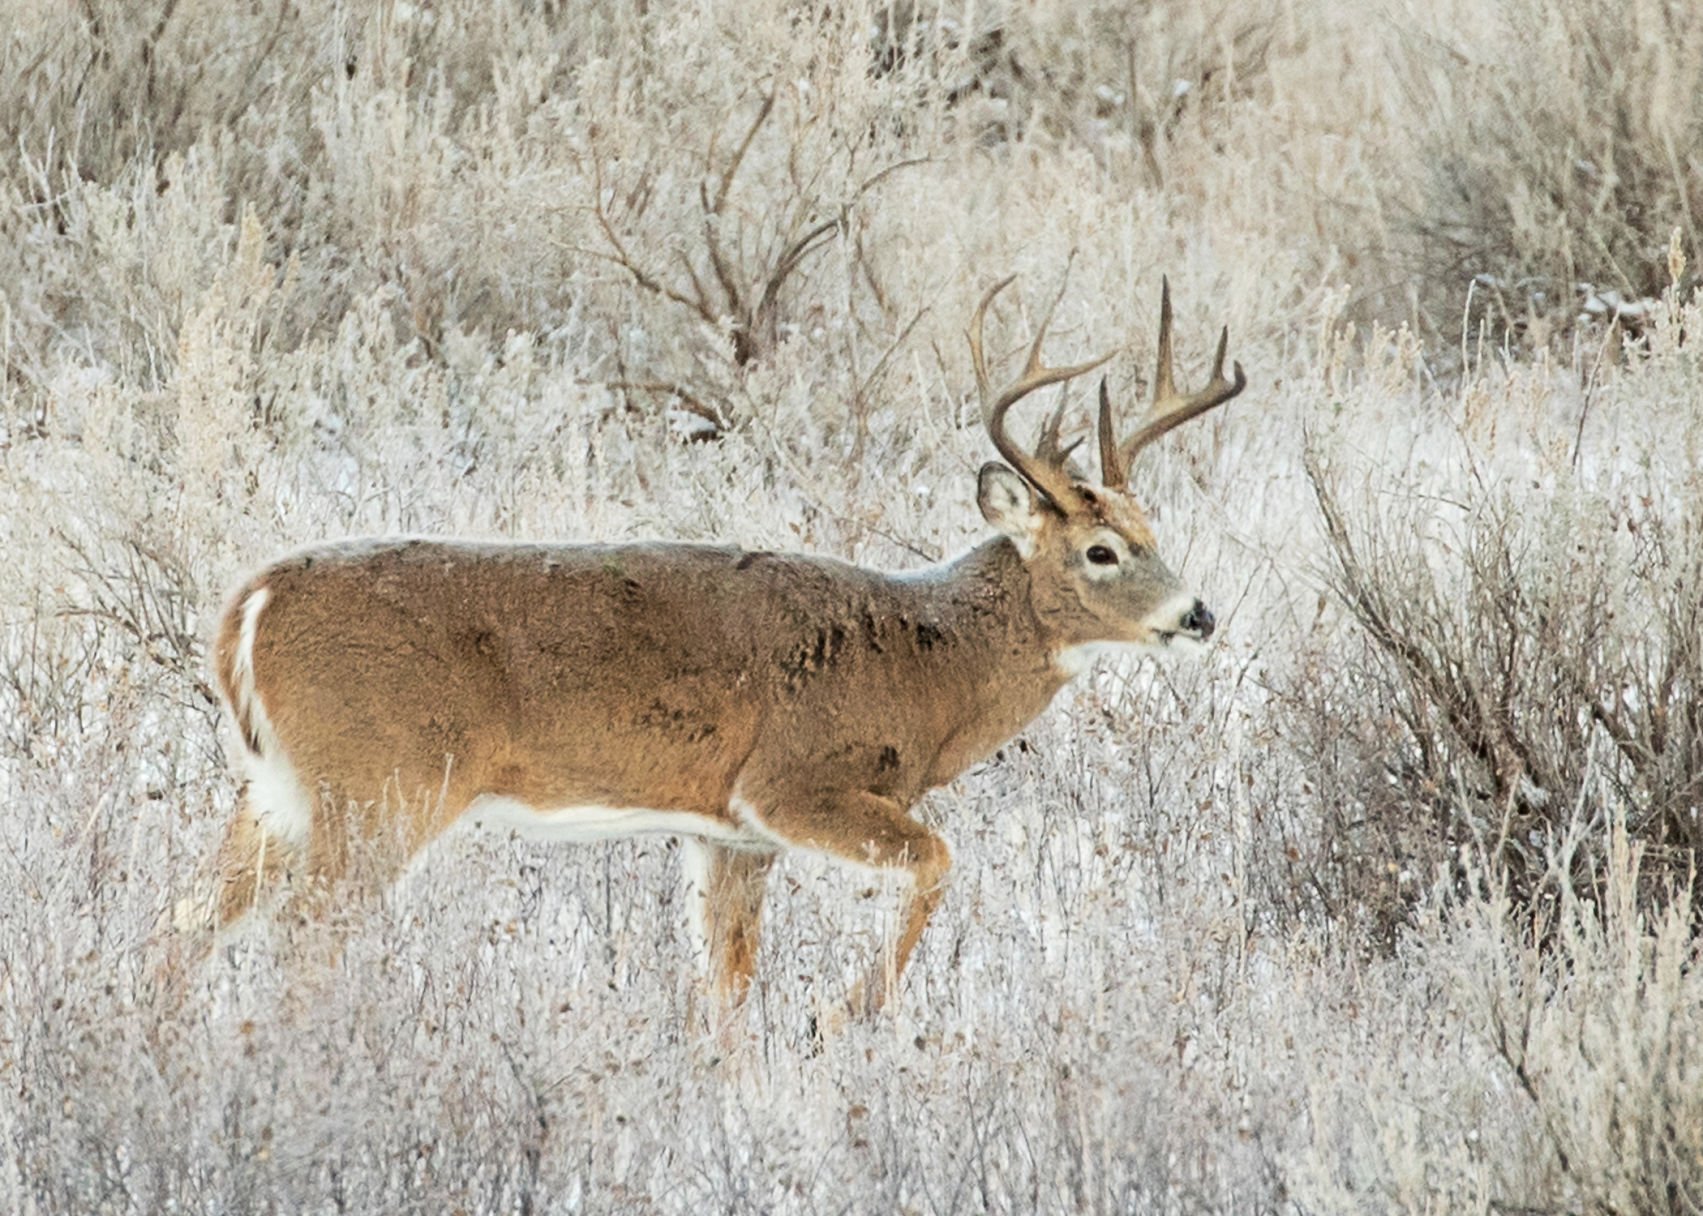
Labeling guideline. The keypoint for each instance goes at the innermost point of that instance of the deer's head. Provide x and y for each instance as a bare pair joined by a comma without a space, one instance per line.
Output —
1095,572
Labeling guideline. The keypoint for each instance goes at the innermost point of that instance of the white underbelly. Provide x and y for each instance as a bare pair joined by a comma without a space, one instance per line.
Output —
581,824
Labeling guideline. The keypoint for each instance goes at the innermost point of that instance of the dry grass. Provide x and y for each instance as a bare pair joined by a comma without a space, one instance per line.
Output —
1559,152
1387,905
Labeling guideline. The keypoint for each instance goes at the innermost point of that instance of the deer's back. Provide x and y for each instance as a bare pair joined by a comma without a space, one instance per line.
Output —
562,674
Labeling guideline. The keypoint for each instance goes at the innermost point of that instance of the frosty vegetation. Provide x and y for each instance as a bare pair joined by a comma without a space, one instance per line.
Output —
1387,904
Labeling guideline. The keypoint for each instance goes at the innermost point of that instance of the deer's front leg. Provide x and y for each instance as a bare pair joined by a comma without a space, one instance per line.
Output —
865,829
727,886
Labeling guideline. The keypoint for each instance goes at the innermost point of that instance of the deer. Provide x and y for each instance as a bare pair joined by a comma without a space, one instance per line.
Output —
749,703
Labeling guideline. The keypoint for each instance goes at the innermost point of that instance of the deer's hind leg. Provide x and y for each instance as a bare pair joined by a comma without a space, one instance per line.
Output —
270,846
249,866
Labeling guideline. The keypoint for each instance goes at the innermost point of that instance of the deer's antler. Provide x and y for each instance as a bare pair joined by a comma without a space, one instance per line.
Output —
1170,409
1045,467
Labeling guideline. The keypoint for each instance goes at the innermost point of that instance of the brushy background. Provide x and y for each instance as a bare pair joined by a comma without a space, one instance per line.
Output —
1386,905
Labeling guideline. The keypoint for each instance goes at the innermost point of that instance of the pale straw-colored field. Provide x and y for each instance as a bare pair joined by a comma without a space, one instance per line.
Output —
1383,905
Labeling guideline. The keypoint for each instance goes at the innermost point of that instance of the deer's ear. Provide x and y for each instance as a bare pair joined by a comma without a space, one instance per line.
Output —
1009,504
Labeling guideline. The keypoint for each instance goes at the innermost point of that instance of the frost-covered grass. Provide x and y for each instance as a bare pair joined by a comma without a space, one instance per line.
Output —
1382,905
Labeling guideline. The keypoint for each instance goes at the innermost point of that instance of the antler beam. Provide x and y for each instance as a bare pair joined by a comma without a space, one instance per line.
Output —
1044,468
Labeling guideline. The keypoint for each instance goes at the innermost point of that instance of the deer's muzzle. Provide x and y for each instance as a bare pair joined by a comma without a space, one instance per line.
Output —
1198,621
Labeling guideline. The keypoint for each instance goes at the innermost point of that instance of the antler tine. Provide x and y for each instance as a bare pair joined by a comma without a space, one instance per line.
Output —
1047,449
1163,388
1044,469
1112,472
1170,408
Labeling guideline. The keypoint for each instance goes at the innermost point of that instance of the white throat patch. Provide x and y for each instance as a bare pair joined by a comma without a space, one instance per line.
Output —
1072,661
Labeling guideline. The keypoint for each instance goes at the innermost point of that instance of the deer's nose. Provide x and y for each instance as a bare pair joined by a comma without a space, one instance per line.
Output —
1199,621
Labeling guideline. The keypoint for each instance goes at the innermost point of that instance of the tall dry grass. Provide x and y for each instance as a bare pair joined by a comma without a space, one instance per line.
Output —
1386,905
1553,153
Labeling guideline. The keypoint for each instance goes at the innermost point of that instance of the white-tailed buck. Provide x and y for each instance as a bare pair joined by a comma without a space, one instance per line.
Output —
748,702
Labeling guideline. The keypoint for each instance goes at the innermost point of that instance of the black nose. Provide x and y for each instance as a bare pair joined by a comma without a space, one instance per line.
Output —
1198,621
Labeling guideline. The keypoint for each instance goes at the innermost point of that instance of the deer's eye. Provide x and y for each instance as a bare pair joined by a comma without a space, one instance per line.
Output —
1101,556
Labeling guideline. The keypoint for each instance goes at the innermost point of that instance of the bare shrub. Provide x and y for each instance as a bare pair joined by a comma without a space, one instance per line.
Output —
1570,1086
1536,665
739,279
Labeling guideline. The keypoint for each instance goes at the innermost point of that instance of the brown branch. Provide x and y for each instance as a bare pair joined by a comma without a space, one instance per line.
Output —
789,261
626,260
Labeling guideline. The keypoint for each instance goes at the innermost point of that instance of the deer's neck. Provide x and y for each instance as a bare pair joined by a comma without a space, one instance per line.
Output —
994,670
